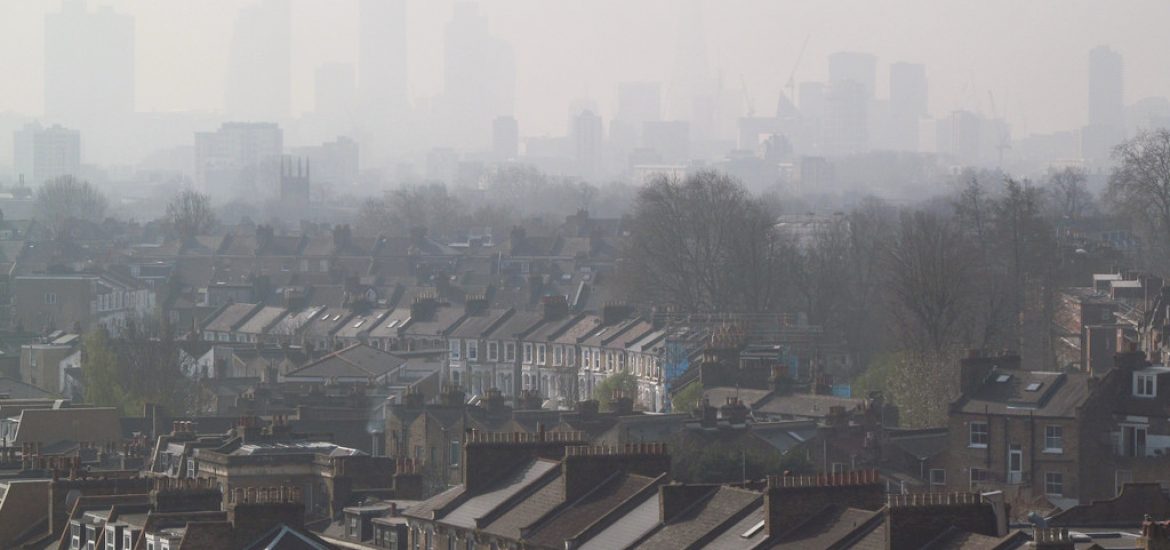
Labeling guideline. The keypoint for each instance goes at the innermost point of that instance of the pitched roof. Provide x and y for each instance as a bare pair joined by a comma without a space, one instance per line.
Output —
581,514
15,389
358,361
263,320
1027,393
48,426
477,506
1127,509
230,317
700,519
628,528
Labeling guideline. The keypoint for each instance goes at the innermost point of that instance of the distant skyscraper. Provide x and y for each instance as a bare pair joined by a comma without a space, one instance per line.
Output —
639,102
260,62
671,139
89,64
44,154
505,138
382,55
238,160
480,77
853,66
335,89
908,104
1106,88
588,135
845,126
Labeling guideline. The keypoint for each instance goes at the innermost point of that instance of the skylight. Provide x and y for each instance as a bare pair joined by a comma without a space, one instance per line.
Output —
359,323
753,530
1003,378
1034,386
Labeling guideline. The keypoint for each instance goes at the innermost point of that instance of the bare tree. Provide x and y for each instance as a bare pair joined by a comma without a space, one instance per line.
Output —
190,214
701,244
65,200
1068,195
929,263
1139,187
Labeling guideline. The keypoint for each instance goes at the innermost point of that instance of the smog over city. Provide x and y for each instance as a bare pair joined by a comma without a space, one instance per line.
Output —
532,274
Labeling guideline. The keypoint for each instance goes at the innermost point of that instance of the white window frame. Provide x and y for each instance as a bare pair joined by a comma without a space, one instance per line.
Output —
493,351
527,353
971,476
1145,385
558,356
971,432
942,477
472,350
1050,438
541,355
509,351
456,351
51,298
1054,480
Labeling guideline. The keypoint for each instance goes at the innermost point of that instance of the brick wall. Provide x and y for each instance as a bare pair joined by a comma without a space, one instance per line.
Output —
789,500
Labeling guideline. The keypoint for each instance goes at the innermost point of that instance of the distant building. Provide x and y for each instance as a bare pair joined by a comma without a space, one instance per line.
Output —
43,154
670,138
505,138
588,138
335,163
78,301
908,104
260,63
239,159
860,68
1106,127
89,64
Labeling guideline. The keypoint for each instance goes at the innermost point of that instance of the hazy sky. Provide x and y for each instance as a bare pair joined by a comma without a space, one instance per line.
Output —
1032,54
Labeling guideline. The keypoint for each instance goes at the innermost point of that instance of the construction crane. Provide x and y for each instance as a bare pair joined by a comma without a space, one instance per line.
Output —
747,98
1003,140
791,85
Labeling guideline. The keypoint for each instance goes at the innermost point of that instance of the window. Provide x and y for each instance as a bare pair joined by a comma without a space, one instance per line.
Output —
472,350
585,358
1145,385
938,477
540,357
352,528
558,355
528,353
493,351
978,476
434,456
455,352
979,436
1053,439
1054,483
1132,441
509,351
838,467
50,298
456,451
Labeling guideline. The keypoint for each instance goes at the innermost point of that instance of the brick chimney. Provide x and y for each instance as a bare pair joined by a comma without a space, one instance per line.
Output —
588,409
488,455
342,236
493,401
913,518
1051,538
529,400
258,509
424,307
615,312
413,399
708,415
1155,535
734,412
408,480
585,468
621,405
781,380
184,495
475,304
788,499
555,307
452,396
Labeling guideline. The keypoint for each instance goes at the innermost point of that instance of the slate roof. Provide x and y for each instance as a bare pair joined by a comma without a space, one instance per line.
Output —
628,528
475,326
1127,509
534,506
1058,394
263,320
581,514
699,520
356,361
479,505
230,317
48,426
360,324
15,389
389,326
804,405
519,323
732,538
829,526
444,317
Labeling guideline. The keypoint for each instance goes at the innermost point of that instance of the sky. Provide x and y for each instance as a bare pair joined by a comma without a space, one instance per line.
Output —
1031,55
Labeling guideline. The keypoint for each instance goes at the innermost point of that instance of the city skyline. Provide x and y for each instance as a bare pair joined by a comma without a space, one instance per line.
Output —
753,48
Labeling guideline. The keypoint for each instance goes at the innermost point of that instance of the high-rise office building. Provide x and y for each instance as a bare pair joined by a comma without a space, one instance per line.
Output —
1106,127
587,132
505,138
479,77
907,105
238,160
89,64
44,154
335,90
382,57
1106,88
258,85
854,66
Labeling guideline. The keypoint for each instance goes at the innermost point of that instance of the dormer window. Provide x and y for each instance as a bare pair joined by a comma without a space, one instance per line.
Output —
1145,385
